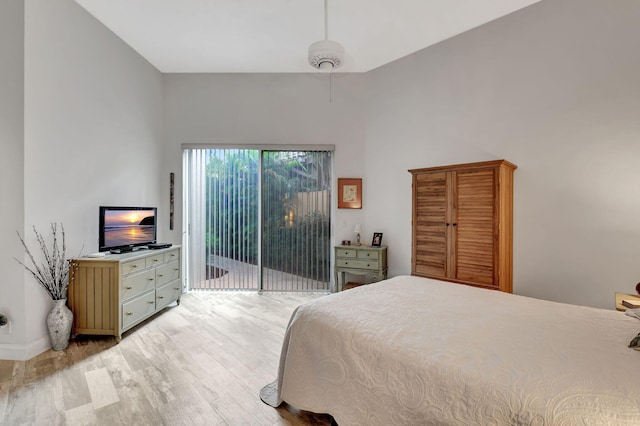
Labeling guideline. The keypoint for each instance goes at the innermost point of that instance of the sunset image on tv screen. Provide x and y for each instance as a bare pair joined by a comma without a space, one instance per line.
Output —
124,227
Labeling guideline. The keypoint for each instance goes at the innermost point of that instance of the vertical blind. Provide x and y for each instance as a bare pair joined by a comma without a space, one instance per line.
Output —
296,205
257,220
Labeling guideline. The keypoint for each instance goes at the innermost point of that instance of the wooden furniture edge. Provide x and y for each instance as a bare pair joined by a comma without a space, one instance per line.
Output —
466,166
620,296
452,280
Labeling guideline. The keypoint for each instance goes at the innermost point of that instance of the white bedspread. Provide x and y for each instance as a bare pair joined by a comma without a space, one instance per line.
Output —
414,351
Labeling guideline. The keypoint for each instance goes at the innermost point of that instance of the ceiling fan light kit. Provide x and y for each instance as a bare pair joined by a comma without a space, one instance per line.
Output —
326,55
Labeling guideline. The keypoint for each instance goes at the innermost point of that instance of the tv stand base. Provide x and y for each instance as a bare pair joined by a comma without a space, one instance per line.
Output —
121,250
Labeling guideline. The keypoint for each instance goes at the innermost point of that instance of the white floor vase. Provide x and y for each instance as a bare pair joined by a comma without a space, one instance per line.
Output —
59,322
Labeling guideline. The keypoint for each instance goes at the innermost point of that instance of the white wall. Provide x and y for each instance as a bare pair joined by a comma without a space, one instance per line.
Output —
12,299
553,88
267,109
92,136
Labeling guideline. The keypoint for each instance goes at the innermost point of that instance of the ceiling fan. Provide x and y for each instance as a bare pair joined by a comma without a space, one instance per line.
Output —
326,55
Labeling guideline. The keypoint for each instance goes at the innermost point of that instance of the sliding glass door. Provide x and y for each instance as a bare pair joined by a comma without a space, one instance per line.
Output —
221,212
296,206
257,219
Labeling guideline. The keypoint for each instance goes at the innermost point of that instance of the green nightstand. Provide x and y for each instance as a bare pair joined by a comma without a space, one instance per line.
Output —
360,260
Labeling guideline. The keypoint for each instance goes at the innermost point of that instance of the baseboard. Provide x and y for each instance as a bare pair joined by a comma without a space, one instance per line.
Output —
13,352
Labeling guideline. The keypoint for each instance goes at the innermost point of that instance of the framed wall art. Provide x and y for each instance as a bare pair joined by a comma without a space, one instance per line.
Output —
171,194
349,193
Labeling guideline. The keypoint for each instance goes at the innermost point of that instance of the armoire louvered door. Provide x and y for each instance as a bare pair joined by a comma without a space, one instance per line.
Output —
474,226
462,223
430,242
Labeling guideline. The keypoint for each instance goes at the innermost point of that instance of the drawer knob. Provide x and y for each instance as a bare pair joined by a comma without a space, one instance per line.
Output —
160,297
160,275
176,269
176,288
129,313
368,254
128,287
155,260
151,302
150,279
134,266
173,255
368,265
346,263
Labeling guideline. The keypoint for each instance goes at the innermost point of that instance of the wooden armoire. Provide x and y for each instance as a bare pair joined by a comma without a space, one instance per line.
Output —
462,224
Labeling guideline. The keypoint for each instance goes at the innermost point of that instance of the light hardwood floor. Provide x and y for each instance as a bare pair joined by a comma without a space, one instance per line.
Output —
200,363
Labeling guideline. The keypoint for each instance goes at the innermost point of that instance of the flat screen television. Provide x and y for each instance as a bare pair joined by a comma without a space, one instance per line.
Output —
123,228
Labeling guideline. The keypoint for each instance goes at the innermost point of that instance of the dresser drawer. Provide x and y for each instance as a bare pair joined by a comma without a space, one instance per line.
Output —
136,284
133,266
350,253
167,294
167,273
370,255
358,264
138,308
154,260
171,256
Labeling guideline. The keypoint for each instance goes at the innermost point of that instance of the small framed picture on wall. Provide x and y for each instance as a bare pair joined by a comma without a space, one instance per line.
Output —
377,239
349,193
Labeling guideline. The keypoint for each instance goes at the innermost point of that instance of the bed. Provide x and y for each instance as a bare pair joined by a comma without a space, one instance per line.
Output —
416,351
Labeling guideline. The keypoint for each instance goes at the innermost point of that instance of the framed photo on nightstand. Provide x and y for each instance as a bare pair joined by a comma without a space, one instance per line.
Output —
377,239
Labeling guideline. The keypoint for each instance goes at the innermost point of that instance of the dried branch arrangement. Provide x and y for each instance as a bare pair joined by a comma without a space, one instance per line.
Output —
53,273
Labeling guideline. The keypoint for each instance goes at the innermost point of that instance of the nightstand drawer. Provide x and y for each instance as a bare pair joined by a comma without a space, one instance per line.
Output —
370,255
350,253
359,264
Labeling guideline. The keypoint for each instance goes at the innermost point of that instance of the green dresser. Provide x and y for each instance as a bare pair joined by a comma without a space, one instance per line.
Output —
360,260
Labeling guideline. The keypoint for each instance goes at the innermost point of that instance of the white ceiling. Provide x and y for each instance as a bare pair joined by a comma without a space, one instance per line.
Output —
238,36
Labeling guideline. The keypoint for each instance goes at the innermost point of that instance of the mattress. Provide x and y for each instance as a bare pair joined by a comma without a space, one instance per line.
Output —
415,351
